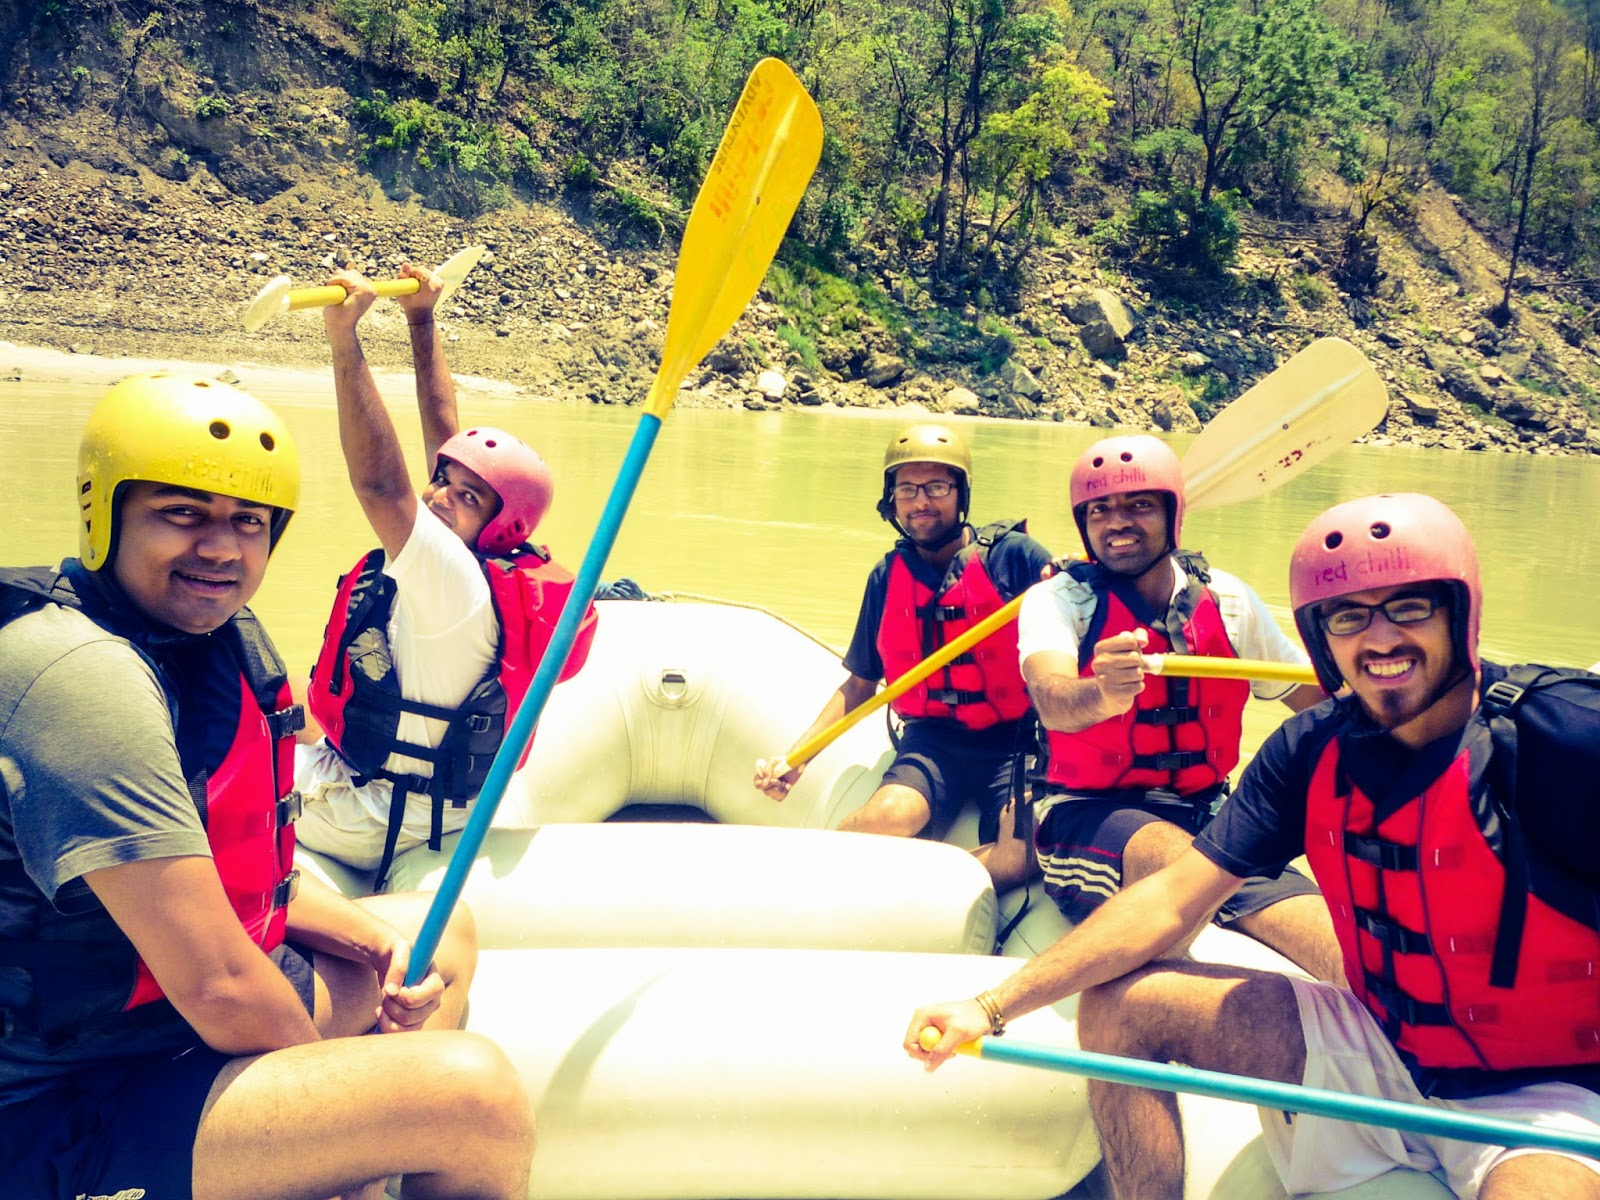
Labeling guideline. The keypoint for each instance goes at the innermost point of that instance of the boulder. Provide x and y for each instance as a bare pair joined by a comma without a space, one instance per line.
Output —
1020,380
882,370
961,400
771,384
1423,409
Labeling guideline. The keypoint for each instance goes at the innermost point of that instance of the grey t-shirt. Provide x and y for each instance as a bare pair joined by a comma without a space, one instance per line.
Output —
89,778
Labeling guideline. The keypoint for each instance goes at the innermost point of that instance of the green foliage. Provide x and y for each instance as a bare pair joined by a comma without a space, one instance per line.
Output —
459,165
804,348
581,174
1310,291
633,220
1180,230
212,106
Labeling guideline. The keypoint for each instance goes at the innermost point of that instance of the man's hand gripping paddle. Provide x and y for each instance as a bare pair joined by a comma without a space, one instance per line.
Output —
280,296
1287,1097
761,170
1323,398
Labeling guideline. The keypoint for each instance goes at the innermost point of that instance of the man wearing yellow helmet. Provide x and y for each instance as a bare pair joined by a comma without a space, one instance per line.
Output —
166,983
942,577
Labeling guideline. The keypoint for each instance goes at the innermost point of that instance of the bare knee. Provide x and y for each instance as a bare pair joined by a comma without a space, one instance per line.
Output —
1152,847
895,810
473,1081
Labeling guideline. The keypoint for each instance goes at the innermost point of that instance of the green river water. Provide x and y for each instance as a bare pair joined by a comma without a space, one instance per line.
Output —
776,509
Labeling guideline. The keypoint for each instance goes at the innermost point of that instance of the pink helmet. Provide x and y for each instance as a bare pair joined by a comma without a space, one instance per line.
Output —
1381,542
1115,466
515,472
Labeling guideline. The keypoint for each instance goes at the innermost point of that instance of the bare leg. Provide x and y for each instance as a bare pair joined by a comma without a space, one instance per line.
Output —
1300,929
1009,859
313,1121
1540,1177
1297,927
347,992
894,809
1208,1016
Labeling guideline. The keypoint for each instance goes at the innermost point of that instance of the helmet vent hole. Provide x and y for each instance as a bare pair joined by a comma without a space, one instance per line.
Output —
220,430
1126,456
490,442
1099,461
1380,530
1333,540
267,443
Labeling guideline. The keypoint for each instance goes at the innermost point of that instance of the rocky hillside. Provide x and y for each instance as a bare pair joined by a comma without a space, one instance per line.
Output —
145,195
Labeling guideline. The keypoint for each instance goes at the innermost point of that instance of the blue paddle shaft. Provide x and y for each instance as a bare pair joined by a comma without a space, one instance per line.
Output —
1341,1106
544,681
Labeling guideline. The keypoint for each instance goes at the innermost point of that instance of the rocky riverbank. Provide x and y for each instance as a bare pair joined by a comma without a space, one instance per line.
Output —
113,259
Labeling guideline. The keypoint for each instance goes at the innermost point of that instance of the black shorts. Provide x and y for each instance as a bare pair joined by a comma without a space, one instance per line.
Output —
125,1128
950,765
1079,844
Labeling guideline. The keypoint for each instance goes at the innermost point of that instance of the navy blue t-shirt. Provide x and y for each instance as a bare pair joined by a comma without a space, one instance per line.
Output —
1262,825
1015,561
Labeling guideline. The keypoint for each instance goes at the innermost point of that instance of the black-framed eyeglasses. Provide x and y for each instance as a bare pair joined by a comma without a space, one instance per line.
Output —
936,489
1402,610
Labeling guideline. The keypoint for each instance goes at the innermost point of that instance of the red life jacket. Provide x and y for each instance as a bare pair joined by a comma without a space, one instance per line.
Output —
355,689
246,805
1444,940
979,688
1182,735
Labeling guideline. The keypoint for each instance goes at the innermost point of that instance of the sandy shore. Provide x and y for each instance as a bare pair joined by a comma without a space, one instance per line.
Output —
41,365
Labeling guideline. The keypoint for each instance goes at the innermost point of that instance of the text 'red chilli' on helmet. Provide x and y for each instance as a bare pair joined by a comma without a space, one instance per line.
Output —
1383,542
185,431
1115,466
518,476
927,442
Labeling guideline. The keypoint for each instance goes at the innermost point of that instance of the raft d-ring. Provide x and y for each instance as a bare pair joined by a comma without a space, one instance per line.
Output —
674,686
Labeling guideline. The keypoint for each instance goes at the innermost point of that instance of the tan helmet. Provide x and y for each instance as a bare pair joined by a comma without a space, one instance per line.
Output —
182,430
926,442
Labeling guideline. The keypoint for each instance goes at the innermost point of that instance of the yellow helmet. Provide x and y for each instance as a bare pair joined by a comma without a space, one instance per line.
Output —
186,431
926,442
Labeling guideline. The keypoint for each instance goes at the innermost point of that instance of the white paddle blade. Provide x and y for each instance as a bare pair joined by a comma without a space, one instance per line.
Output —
1323,398
454,270
269,302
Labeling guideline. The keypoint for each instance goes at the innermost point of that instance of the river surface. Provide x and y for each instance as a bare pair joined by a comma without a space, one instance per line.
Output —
776,509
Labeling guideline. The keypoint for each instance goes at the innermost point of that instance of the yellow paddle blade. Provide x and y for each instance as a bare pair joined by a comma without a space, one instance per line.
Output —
1323,398
760,171
1200,667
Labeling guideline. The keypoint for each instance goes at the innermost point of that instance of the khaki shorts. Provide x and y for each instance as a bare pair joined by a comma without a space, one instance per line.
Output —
1346,1051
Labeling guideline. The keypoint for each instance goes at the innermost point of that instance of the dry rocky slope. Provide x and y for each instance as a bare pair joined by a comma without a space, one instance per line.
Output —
130,226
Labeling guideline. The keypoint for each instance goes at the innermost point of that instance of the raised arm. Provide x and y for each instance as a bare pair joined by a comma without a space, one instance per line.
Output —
372,453
436,390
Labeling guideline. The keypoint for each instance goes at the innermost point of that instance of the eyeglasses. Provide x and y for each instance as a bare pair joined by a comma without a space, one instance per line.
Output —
936,489
1402,610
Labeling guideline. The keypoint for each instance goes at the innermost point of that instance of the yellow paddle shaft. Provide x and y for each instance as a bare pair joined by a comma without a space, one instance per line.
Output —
1197,667
322,297
812,746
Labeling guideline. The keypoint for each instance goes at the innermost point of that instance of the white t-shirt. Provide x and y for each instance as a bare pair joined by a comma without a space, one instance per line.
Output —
444,637
1056,613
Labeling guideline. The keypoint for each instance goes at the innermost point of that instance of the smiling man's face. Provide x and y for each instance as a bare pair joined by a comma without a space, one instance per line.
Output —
1128,533
189,559
1395,671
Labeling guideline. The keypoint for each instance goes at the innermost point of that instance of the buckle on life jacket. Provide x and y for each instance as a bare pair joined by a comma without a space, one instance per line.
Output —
289,809
286,722
947,612
288,888
954,698
1376,852
1502,697
1407,1009
1181,715
1393,935
1173,760
479,723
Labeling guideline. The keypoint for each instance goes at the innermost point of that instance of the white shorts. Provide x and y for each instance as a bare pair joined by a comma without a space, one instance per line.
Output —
1347,1051
350,823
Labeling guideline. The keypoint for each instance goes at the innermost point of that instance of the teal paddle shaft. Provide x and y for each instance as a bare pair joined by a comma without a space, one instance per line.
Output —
1290,1097
528,712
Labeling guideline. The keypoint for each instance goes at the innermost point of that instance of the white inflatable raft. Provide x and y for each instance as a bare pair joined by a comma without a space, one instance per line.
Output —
715,1010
